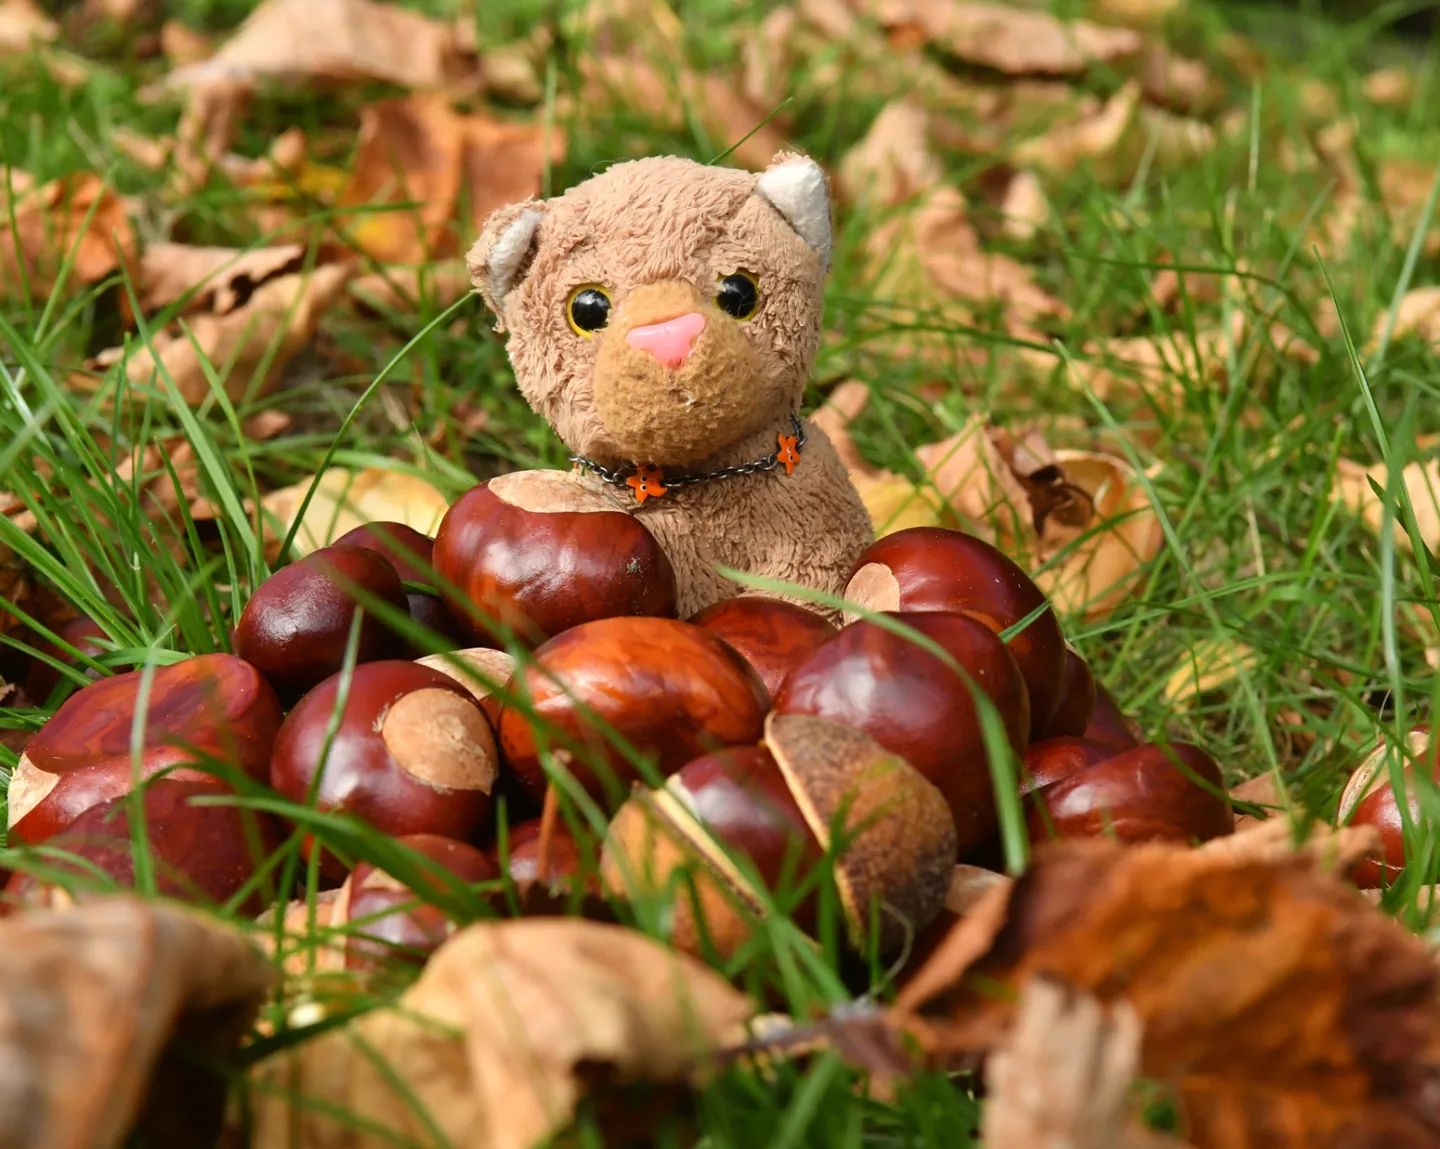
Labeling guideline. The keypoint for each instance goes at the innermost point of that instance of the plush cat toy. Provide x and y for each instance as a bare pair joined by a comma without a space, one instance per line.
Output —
663,317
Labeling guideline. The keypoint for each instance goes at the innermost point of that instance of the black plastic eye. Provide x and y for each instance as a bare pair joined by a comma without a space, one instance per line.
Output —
588,309
739,295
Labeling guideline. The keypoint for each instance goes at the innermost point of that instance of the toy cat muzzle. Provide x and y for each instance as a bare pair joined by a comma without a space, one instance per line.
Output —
675,379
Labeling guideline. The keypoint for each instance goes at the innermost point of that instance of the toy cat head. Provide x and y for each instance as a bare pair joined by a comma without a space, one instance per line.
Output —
664,310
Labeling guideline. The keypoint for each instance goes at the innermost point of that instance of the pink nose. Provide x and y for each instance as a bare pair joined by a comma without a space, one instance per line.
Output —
670,342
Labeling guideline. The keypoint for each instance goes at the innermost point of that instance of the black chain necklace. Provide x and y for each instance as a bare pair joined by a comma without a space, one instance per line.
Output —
649,482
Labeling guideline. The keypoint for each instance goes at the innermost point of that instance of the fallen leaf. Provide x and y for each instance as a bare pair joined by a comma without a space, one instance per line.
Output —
1014,41
334,42
1392,87
1421,481
1267,840
499,1040
345,499
1263,791
23,25
1208,665
1179,83
1062,1077
109,1013
248,345
215,279
183,45
1276,1004
75,218
1089,136
1418,315
1024,207
421,156
438,285
670,94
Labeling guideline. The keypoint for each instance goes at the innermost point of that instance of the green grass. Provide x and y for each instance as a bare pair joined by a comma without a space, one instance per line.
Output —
1255,550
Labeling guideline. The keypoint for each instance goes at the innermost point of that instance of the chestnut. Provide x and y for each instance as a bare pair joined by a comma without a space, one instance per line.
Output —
915,705
669,690
1108,724
297,624
482,670
563,860
200,847
1053,759
409,552
1077,700
1369,800
731,824
204,713
411,753
389,919
932,568
528,555
769,634
1154,792
79,636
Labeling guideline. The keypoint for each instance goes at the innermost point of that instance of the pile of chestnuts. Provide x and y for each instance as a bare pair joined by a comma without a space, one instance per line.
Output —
760,754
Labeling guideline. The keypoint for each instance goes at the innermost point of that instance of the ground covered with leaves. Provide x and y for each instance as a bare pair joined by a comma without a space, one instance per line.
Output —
1145,291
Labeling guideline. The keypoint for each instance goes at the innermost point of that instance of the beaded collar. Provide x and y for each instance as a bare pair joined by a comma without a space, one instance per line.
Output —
647,481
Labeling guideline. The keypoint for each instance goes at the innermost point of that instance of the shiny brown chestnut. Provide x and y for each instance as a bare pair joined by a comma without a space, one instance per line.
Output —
410,552
297,624
535,553
201,848
411,753
1108,724
388,920
1154,792
915,705
932,568
558,865
482,670
1077,700
1053,759
769,634
1369,800
732,827
203,715
670,690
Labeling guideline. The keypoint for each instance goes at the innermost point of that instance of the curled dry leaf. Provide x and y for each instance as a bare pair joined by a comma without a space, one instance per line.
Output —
214,279
345,499
1061,1079
1353,489
22,25
75,218
96,1004
267,322
1206,666
1275,839
334,42
1277,1005
497,1041
418,161
1011,40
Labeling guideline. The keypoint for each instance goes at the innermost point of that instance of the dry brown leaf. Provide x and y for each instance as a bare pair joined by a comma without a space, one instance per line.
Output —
1208,665
1183,84
92,1001
498,1040
1392,87
1023,207
420,153
1275,839
182,45
334,42
1421,480
346,499
1061,1079
75,217
1418,315
1089,136
265,327
1277,1005
23,25
215,279
439,284
1262,791
671,93
1010,40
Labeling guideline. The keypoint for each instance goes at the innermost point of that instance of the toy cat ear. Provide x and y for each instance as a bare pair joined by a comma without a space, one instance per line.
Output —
500,255
795,186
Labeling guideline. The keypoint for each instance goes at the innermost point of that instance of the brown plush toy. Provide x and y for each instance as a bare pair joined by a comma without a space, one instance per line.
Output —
663,317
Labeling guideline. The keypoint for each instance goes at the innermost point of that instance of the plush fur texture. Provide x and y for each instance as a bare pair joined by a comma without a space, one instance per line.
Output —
657,235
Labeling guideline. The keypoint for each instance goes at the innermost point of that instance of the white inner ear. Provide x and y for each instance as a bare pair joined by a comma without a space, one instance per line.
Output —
797,190
509,252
